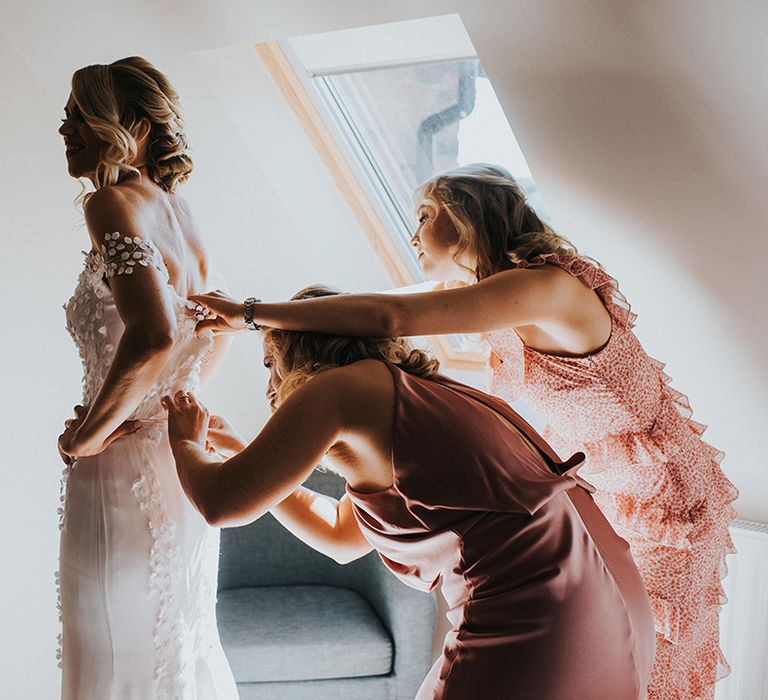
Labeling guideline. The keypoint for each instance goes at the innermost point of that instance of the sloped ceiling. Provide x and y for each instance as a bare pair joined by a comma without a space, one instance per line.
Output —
644,124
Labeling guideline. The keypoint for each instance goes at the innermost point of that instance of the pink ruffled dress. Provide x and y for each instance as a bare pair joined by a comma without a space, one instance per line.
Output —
659,484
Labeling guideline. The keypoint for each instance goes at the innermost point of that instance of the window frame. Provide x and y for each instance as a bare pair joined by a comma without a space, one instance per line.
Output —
362,196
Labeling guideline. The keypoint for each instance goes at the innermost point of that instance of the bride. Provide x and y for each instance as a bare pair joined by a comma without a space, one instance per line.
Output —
137,563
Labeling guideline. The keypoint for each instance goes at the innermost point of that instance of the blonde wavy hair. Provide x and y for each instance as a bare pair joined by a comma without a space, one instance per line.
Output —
492,217
300,355
113,100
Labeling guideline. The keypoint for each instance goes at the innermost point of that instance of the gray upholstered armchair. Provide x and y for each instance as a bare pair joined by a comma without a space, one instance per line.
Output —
296,625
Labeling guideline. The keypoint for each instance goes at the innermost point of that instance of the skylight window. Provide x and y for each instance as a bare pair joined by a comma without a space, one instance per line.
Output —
409,123
404,102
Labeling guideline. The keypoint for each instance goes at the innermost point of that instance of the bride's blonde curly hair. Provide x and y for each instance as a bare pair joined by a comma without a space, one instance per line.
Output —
113,100
300,355
494,221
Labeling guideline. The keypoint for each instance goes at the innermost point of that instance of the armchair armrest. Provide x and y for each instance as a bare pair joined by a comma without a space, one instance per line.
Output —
409,616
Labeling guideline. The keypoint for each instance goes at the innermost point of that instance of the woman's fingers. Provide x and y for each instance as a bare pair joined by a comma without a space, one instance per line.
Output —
218,303
216,324
172,403
180,401
208,301
184,398
130,426
198,311
223,314
169,404
214,296
215,422
79,412
62,446
187,418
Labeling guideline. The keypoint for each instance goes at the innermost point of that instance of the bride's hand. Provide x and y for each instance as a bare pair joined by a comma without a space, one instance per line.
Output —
223,438
227,313
66,439
187,419
72,445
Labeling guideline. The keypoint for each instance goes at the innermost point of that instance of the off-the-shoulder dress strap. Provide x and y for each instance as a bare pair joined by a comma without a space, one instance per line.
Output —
123,254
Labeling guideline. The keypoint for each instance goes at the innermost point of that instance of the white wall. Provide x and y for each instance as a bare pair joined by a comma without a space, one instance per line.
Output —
643,125
262,230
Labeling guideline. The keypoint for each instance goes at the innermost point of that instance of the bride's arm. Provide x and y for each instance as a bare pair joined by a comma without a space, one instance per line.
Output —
145,307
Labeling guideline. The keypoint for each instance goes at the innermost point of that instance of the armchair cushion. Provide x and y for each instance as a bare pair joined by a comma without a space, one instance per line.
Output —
297,633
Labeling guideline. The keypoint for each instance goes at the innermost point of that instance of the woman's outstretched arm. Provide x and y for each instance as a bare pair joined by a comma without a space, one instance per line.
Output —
507,299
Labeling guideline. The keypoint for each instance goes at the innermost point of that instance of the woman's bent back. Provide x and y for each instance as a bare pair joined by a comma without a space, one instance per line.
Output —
544,597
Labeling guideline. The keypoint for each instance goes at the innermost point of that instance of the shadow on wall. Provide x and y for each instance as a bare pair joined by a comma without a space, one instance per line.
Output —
704,212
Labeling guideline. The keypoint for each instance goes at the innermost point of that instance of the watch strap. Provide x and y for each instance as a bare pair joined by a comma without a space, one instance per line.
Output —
248,314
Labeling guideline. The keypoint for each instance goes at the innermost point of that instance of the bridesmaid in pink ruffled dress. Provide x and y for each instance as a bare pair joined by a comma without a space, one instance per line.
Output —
559,336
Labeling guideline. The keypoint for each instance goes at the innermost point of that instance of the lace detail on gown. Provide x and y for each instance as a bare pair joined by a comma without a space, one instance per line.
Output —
121,254
171,673
95,326
658,482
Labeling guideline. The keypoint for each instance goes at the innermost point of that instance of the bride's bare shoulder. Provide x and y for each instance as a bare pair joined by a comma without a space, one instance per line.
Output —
111,209
131,200
133,193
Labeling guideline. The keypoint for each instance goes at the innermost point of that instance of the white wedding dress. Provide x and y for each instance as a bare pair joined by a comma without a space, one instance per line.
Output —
137,566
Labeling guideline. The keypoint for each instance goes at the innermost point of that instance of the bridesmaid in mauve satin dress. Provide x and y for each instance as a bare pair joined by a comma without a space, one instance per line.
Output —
448,484
545,600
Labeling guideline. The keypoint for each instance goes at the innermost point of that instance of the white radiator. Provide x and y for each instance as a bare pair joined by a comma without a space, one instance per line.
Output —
744,620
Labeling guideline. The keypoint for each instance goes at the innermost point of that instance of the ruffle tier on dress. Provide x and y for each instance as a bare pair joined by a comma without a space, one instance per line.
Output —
658,482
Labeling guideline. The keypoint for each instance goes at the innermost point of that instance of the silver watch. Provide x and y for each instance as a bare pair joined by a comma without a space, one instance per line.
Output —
248,314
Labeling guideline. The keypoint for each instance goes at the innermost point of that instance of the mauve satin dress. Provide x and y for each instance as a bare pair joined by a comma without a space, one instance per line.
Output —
544,598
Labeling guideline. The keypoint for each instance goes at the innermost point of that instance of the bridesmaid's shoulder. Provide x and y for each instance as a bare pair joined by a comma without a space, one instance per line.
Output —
360,380
551,280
